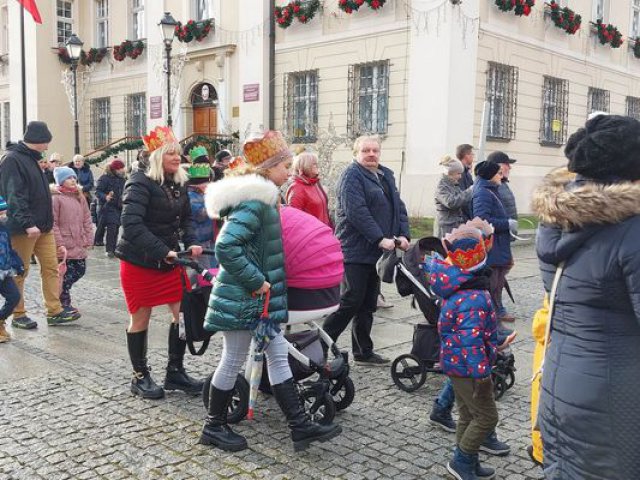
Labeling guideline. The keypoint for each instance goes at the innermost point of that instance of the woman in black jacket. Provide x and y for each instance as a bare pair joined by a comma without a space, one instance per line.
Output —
109,193
156,217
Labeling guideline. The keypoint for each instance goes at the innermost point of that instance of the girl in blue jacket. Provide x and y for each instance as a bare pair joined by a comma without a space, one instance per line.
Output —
10,265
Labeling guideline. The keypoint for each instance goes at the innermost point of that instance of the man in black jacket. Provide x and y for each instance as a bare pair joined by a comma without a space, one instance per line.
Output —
30,221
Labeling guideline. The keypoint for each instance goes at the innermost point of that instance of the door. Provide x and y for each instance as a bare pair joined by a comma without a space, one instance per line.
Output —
205,121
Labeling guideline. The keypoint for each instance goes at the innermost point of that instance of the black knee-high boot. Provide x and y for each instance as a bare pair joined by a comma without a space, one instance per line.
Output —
216,431
141,384
177,378
303,430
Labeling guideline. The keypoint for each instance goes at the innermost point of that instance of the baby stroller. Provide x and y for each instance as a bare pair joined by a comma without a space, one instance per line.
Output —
409,371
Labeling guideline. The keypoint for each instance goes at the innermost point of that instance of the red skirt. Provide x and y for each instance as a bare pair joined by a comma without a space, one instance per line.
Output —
146,287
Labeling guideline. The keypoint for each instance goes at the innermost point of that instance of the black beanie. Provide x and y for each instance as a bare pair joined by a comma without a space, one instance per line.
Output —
37,132
222,154
486,170
607,148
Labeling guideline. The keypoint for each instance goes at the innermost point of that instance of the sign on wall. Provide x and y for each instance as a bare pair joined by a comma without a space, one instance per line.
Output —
155,107
251,92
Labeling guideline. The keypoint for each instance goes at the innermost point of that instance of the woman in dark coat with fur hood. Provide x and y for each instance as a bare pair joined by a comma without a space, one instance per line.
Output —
590,213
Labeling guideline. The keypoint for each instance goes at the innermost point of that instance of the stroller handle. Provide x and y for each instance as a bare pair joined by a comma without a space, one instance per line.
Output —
192,264
187,253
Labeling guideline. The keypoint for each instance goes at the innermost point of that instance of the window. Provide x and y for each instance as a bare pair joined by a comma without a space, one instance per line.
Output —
555,109
601,10
5,30
203,9
102,23
101,121
501,94
136,115
633,107
369,98
65,20
301,105
635,18
137,19
598,100
6,123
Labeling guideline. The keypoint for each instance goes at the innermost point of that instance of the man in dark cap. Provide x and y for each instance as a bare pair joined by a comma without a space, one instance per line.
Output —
221,163
30,221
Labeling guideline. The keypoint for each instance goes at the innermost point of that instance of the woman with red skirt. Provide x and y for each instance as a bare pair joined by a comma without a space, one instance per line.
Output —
156,217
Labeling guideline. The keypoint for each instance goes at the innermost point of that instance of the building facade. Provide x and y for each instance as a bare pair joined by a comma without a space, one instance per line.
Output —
418,73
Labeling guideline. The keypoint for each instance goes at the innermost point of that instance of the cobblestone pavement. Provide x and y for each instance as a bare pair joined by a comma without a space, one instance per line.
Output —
66,412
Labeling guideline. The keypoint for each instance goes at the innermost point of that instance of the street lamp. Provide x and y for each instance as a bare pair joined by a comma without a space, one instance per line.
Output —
74,50
168,28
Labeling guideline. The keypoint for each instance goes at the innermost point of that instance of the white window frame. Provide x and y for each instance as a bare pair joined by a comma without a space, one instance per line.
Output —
502,97
633,107
302,105
377,92
102,23
600,10
598,100
555,107
61,19
4,13
136,114
202,10
137,20
634,28
101,116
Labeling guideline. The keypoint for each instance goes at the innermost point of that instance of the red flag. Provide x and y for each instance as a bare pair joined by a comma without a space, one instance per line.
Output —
30,6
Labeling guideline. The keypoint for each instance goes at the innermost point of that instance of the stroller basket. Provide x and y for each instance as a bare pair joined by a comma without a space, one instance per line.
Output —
426,343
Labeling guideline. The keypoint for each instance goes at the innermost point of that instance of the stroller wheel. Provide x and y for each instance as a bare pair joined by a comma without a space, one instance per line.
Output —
408,372
342,396
499,386
239,405
321,409
511,379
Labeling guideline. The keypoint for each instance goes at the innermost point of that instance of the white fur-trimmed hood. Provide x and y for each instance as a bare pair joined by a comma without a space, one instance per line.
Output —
231,191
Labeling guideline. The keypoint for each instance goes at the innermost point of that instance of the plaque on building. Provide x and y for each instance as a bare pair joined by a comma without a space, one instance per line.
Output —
155,107
251,92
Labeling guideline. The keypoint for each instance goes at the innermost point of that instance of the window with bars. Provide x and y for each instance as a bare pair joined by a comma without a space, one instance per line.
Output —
502,96
635,19
64,20
600,10
136,108
598,100
203,9
6,123
137,19
368,109
102,23
101,121
301,105
555,111
633,107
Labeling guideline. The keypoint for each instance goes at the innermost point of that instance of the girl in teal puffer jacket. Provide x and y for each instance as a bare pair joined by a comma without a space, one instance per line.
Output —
249,251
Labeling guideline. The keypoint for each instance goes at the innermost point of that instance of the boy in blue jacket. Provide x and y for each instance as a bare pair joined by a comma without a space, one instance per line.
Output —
467,327
10,266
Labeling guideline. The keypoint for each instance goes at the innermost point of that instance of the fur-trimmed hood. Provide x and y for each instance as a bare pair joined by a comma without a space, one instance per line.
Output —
232,191
566,201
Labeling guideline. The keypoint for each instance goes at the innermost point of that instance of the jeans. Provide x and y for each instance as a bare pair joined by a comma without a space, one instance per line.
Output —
235,347
446,397
75,271
11,294
359,295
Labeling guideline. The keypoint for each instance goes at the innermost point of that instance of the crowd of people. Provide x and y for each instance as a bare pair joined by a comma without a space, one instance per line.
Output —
175,200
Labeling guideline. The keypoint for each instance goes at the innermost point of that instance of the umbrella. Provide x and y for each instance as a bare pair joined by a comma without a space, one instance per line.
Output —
264,330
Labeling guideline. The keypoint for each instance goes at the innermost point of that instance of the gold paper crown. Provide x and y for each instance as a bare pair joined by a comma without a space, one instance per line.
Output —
158,137
270,145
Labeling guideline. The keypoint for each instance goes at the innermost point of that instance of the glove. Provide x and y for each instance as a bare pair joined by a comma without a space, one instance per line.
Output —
513,226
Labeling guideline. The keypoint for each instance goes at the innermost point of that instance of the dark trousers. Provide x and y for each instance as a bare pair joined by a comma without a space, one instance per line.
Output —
496,285
112,237
478,415
8,290
75,271
359,295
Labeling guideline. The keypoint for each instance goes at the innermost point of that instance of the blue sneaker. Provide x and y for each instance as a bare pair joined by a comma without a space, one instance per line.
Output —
463,465
493,446
442,417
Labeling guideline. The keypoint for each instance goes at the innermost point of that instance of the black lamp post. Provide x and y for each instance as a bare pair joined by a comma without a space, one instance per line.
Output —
168,28
74,50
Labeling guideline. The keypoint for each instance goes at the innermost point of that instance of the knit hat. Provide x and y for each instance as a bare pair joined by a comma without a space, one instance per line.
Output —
607,149
3,204
37,132
62,173
267,151
199,154
116,164
486,170
465,248
500,157
451,165
485,228
222,155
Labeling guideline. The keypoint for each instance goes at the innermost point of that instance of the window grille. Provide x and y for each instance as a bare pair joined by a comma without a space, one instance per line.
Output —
301,106
203,10
137,19
600,10
136,115
64,21
102,23
502,94
369,98
6,123
598,100
101,121
633,107
555,111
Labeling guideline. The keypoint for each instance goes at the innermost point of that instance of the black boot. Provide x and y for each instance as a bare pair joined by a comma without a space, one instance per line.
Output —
215,430
303,430
141,384
177,378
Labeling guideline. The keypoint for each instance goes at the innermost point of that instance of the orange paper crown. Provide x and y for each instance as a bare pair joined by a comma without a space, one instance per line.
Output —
466,248
270,145
158,137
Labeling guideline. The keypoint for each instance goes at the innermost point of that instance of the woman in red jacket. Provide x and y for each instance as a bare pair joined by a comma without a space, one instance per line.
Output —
305,192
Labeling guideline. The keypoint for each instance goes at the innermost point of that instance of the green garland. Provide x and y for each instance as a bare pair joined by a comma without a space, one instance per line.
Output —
120,147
